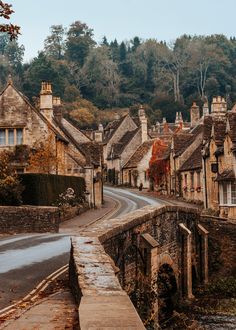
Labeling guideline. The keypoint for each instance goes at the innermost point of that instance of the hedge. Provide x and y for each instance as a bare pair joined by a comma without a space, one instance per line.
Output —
44,189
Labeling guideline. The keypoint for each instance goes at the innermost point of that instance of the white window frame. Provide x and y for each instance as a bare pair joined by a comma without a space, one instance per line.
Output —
15,142
229,197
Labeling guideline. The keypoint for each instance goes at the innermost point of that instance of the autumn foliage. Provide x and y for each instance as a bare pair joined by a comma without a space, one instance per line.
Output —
5,12
158,165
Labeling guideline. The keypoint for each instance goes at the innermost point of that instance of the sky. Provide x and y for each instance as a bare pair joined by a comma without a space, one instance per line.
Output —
123,19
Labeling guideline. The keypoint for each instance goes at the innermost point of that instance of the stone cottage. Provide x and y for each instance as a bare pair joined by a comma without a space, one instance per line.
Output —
24,129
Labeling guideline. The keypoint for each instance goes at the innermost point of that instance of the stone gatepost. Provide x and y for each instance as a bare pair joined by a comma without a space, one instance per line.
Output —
188,255
204,238
150,247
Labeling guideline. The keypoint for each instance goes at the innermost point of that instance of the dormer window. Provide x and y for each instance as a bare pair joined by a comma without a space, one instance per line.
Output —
11,136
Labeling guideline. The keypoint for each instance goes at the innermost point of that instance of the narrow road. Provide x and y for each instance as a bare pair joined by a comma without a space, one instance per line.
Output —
25,260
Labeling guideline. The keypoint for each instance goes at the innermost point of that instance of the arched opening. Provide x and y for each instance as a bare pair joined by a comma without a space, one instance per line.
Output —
167,289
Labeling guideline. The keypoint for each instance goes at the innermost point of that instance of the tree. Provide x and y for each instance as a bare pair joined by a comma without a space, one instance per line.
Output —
79,42
102,77
54,44
5,12
203,55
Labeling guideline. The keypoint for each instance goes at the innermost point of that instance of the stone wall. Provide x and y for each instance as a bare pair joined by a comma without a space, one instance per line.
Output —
28,219
133,247
222,246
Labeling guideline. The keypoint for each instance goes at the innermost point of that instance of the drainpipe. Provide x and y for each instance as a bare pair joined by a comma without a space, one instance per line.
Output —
205,183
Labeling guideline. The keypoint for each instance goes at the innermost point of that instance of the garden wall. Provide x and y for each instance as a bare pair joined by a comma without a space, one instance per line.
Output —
30,219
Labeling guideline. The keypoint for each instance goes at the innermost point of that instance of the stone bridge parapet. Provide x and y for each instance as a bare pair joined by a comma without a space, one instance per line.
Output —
117,261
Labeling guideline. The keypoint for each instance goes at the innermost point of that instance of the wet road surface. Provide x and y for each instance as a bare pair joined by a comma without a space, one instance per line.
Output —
25,260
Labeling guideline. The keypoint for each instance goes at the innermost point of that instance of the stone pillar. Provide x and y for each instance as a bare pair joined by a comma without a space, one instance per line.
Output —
151,245
188,234
204,236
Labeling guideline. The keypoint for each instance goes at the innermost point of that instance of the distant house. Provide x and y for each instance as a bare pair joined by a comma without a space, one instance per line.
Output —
219,159
121,138
135,171
24,129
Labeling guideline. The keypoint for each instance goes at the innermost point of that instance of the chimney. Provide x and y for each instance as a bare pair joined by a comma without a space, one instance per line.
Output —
158,127
205,109
46,101
194,114
143,122
177,118
117,116
218,107
180,120
57,108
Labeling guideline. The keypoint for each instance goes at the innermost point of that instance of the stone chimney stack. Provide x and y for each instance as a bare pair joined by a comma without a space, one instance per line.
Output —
117,116
143,122
205,109
98,135
194,114
158,127
218,106
57,108
181,120
177,119
46,100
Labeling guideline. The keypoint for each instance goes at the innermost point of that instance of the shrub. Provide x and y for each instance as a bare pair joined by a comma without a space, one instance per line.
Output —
44,189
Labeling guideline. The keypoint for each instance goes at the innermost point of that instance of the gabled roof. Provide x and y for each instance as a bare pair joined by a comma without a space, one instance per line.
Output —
194,161
50,125
90,150
232,125
118,148
139,154
111,128
181,141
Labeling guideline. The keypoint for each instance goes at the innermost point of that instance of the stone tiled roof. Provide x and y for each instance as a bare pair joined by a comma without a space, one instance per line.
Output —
183,140
226,175
139,154
219,132
111,128
207,127
117,148
194,161
92,152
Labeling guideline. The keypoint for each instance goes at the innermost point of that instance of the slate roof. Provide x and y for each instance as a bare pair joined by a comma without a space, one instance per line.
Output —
90,150
194,161
139,154
118,148
181,141
111,128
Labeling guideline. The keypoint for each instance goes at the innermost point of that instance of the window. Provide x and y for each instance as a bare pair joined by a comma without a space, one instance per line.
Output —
19,136
2,137
198,179
192,179
225,193
11,136
233,193
228,193
185,179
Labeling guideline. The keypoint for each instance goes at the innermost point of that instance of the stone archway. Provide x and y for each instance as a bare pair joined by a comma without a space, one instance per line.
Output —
167,292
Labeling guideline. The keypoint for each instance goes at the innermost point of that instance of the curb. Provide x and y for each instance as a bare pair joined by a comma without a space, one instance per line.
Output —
33,295
112,211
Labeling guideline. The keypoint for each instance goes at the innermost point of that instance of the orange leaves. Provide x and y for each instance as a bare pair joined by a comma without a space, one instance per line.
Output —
5,12
158,165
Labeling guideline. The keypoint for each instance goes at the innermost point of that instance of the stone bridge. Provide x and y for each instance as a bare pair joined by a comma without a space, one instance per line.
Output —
143,262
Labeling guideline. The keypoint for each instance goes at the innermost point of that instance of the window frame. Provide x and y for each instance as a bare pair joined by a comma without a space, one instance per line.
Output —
15,141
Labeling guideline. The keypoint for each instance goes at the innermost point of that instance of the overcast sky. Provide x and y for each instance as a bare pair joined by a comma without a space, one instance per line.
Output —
123,19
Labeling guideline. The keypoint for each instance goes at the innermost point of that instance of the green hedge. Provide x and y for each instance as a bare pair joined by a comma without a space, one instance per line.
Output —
44,189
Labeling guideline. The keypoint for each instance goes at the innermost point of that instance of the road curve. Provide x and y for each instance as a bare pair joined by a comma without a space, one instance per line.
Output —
25,260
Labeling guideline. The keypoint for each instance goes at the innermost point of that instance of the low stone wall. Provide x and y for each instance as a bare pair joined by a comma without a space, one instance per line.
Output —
222,246
29,219
103,302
